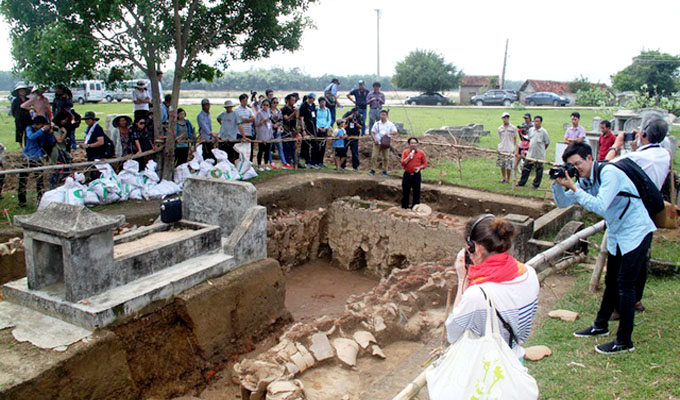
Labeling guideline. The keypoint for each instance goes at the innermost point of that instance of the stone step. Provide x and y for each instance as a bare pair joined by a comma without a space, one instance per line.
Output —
104,308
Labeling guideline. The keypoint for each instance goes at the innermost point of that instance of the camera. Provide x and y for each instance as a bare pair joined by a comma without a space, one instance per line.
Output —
55,129
563,171
629,136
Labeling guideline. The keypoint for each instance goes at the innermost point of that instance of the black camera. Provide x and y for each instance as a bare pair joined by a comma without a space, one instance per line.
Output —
55,129
563,171
629,136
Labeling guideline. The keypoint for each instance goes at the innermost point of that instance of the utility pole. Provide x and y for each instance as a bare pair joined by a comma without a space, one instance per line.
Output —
505,61
377,14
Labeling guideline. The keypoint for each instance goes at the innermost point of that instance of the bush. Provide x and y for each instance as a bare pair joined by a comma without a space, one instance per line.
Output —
644,99
594,97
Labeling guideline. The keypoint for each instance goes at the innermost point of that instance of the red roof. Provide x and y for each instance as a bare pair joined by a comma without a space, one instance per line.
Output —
477,80
546,86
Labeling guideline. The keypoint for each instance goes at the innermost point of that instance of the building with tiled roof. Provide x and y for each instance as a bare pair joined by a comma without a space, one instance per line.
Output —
472,85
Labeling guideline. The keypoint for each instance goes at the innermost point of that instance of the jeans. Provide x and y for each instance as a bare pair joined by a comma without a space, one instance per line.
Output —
410,182
289,152
373,117
332,110
23,178
526,171
279,148
362,114
623,271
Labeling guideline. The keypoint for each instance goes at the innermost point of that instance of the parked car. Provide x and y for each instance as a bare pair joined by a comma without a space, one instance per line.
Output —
546,99
428,98
90,91
495,97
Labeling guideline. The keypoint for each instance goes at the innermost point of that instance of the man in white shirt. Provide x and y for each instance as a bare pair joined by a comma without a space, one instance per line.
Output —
247,118
381,129
141,100
507,134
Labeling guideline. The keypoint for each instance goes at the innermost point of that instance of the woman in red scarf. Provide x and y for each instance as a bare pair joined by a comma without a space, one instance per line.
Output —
491,271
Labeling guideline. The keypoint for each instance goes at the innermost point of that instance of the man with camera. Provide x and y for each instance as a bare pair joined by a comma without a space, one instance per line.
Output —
607,191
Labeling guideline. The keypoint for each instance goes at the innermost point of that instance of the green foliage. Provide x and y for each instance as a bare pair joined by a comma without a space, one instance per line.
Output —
580,83
427,71
594,97
657,71
644,99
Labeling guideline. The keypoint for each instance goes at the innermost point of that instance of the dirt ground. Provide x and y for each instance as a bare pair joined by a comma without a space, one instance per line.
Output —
372,378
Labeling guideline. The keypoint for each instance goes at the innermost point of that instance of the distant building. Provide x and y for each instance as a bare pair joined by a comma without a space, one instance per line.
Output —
531,86
472,85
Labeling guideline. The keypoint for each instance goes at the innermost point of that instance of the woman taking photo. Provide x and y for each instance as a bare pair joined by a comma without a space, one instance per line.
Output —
141,141
263,132
491,272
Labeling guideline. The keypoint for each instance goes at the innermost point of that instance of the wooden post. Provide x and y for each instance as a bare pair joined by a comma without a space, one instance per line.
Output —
599,265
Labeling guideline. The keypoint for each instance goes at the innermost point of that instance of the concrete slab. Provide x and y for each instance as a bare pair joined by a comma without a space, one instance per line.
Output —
39,329
103,309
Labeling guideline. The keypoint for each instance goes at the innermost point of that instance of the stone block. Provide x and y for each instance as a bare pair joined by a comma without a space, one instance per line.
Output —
217,202
248,241
525,231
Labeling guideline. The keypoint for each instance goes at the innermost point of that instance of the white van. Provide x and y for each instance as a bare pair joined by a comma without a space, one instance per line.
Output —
90,91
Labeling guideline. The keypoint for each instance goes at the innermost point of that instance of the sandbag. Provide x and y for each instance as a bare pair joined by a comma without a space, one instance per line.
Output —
130,175
161,189
181,174
205,167
57,195
195,162
150,175
243,149
245,168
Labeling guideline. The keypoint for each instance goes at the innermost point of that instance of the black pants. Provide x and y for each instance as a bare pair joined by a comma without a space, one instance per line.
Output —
305,150
526,171
353,145
289,152
263,150
410,182
318,149
23,178
181,155
207,150
2,178
623,271
232,155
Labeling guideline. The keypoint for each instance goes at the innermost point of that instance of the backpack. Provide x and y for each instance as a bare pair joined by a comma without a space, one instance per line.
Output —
330,99
652,200
109,148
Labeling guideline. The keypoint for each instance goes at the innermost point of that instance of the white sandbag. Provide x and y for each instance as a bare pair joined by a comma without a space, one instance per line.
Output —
74,192
220,155
150,175
161,189
79,177
245,168
105,170
130,175
224,170
181,174
57,195
135,194
205,167
244,149
90,197
106,189
195,163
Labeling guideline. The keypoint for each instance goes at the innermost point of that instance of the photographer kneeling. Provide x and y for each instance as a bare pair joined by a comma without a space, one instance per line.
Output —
614,197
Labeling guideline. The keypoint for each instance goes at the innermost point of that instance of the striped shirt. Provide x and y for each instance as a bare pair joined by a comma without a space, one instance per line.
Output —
515,300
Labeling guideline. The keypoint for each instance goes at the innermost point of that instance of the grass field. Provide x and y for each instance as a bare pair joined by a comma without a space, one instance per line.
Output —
576,371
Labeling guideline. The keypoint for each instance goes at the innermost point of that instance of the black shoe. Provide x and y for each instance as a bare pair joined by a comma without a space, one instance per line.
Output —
384,173
591,331
21,205
371,172
613,348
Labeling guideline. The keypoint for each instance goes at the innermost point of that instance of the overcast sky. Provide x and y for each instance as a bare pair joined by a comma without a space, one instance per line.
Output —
548,39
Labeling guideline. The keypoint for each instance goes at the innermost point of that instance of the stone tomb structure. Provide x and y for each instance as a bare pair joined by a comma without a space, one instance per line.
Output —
78,271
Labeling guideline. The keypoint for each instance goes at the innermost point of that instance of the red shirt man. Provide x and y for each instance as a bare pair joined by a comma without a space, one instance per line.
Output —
413,160
606,140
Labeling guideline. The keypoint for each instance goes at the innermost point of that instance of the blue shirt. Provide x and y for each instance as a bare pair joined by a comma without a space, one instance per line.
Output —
32,150
204,125
339,143
323,118
625,231
165,113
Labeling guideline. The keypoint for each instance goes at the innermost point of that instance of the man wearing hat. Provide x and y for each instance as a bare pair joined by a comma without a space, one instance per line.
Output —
33,156
358,97
94,138
507,134
331,95
22,117
230,129
141,100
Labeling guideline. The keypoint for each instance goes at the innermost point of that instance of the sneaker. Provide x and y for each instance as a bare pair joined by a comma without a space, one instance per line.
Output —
613,348
639,307
316,166
287,166
384,173
591,331
267,168
272,165
260,169
371,172
356,169
300,166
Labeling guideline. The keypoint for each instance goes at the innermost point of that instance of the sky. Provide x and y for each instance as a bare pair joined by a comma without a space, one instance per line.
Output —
553,40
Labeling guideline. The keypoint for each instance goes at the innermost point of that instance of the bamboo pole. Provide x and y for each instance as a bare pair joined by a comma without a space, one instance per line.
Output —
599,265
412,389
560,266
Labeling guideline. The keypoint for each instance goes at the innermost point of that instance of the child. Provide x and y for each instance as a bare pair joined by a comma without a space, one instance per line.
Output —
339,145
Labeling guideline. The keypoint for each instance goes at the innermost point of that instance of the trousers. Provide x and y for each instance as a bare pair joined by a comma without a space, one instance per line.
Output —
410,183
526,171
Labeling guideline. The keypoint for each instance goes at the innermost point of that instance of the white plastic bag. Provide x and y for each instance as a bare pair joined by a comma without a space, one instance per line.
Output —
245,168
57,195
161,189
195,162
244,149
181,174
90,197
205,167
480,367
150,175
130,175
74,192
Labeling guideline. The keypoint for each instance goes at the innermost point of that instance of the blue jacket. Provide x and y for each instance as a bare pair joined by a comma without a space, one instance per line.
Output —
323,118
190,133
33,149
625,230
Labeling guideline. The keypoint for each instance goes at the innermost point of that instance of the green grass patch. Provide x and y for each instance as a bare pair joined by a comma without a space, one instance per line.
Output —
652,371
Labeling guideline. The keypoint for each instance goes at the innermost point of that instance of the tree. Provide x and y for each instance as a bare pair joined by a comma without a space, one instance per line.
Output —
658,71
427,71
142,34
580,83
